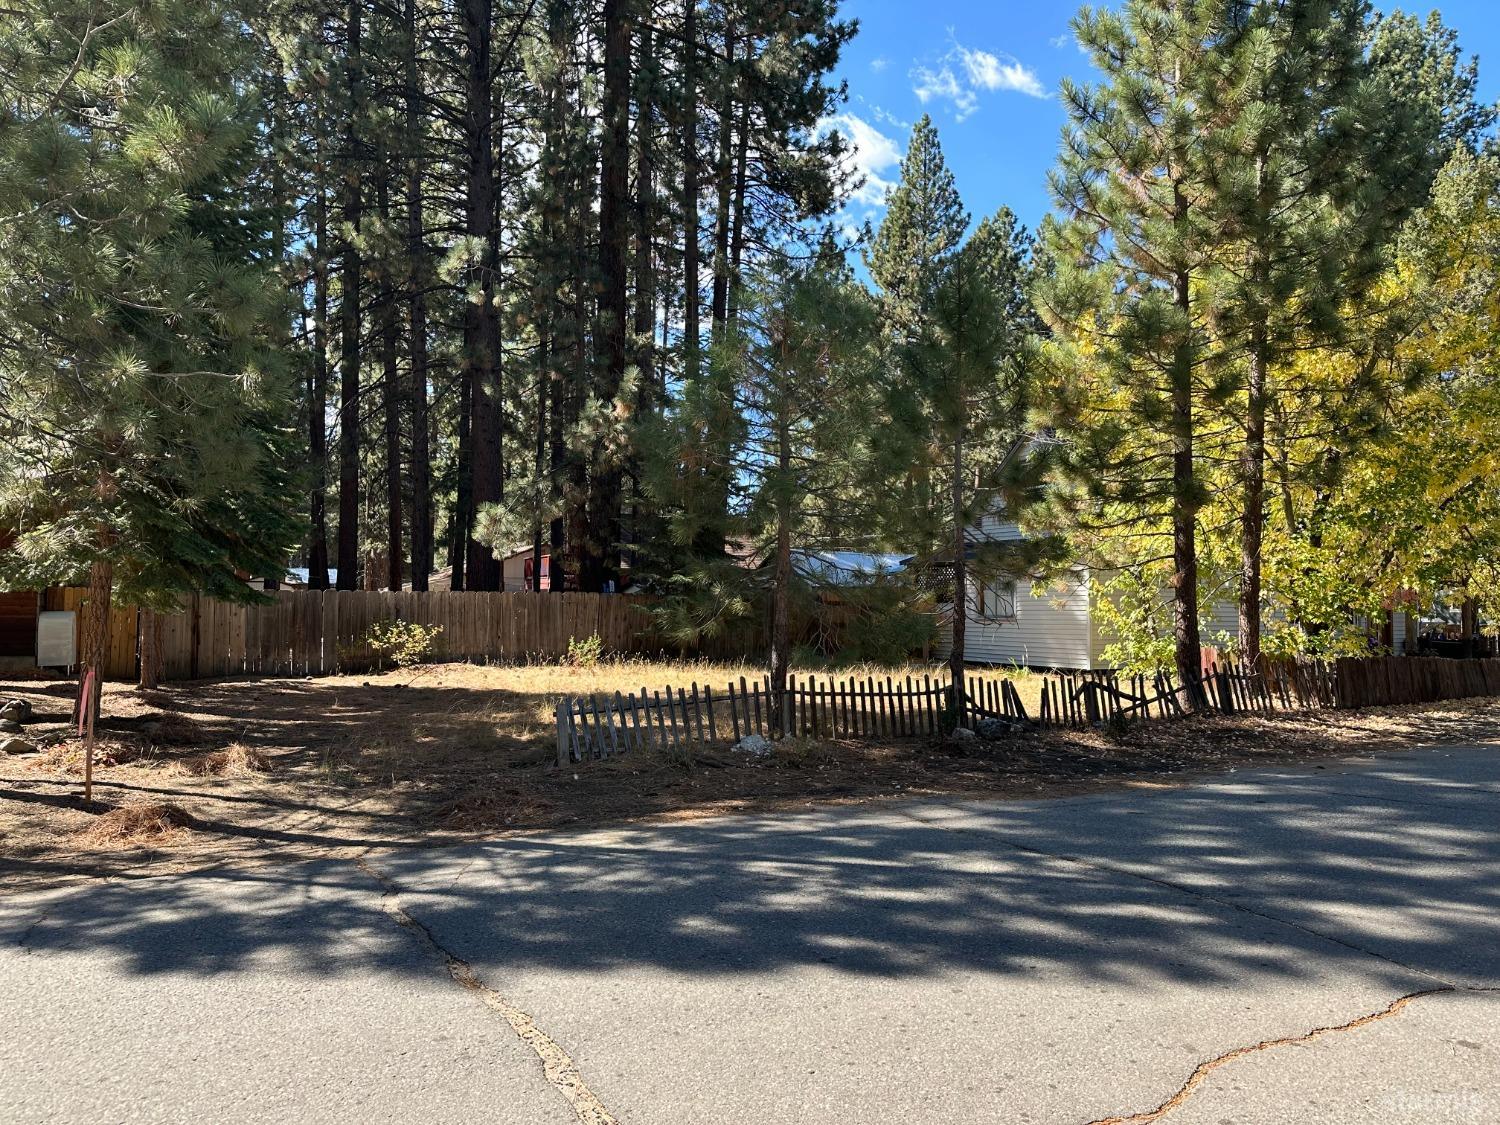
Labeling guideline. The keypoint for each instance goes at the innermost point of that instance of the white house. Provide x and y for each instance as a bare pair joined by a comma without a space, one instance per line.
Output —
1058,627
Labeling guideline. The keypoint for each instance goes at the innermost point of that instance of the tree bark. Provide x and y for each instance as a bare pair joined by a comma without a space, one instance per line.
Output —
317,404
781,584
150,640
723,182
463,513
1187,646
645,214
960,548
348,552
95,632
691,297
1253,453
599,565
390,342
737,233
416,257
481,342
1252,518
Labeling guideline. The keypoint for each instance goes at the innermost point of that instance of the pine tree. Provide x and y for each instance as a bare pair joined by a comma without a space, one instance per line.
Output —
146,426
1129,255
799,371
924,225
1326,150
958,404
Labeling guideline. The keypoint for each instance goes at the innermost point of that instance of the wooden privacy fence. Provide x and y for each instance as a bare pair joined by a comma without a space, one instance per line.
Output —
675,719
1376,681
321,632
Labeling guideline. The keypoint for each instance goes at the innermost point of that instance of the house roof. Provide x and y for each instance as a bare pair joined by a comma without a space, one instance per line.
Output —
844,568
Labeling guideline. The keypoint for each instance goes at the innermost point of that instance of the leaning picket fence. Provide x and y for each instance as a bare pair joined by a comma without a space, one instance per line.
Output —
677,719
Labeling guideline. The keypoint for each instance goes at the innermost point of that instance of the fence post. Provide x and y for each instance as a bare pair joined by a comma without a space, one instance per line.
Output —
563,706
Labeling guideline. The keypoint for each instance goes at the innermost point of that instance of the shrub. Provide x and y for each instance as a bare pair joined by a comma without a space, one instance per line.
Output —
404,644
888,636
584,652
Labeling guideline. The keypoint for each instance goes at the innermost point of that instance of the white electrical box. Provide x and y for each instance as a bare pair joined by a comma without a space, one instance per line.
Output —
56,638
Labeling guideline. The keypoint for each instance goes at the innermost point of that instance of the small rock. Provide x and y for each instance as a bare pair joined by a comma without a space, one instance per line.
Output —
962,734
753,744
9,726
16,710
993,730
16,746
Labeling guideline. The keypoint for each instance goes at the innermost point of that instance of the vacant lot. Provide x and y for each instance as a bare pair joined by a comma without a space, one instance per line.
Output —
241,771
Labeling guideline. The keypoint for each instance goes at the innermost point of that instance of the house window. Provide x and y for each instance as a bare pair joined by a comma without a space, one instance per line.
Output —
997,601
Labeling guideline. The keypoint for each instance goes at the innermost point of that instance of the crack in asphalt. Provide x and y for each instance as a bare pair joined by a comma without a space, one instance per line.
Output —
558,1066
1204,1069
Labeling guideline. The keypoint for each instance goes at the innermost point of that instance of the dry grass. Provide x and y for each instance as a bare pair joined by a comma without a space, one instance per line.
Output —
67,758
235,760
146,823
170,728
291,769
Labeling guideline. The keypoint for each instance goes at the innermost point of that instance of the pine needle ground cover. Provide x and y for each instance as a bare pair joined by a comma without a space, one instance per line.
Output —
253,771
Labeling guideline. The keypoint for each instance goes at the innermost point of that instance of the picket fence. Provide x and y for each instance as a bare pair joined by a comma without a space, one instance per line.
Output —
676,719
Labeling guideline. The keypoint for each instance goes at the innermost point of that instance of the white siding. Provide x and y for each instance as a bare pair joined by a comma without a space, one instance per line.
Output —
1050,630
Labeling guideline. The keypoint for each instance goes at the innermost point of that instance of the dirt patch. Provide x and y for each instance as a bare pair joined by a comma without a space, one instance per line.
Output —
142,824
281,770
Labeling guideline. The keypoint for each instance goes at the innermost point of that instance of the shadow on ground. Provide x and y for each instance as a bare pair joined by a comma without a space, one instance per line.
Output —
1399,862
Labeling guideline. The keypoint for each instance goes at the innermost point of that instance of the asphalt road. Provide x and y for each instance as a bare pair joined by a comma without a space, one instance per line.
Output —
1310,946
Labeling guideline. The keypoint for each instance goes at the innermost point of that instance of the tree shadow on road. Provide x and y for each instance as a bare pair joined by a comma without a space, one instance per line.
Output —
1394,868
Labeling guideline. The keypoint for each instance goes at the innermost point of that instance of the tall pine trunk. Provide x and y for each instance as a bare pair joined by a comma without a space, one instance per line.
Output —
150,647
1252,519
737,232
348,552
1187,647
317,404
960,547
724,186
481,320
390,343
599,562
781,584
691,298
643,268
1253,454
416,259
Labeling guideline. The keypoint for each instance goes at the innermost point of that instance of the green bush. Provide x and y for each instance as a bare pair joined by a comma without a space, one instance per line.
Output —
404,644
890,635
584,652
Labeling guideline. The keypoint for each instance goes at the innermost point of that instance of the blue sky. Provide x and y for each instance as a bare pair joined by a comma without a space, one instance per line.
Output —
987,72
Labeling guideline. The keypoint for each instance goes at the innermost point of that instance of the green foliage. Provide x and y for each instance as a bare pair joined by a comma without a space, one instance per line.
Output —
584,652
889,627
404,644
923,226
145,419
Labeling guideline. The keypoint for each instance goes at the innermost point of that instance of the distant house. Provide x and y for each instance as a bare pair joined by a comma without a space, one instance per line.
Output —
1008,622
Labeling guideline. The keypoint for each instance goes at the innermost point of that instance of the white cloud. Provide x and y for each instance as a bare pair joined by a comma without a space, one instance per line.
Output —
942,83
991,73
879,64
871,153
961,75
